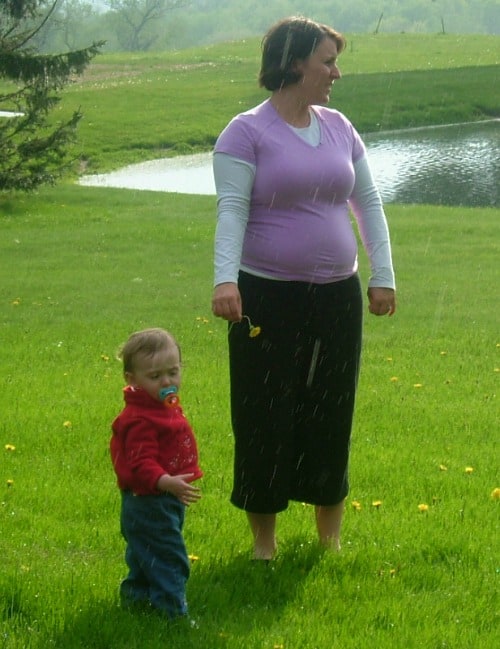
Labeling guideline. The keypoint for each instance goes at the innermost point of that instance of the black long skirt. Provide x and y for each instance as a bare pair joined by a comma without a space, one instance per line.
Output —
293,390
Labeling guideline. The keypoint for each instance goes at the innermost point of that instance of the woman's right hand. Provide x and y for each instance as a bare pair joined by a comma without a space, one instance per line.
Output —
226,302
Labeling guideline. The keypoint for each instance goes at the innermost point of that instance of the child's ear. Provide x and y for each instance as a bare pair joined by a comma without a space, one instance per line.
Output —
129,377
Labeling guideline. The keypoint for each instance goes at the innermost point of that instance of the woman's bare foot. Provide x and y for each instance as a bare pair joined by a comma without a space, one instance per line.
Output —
263,529
264,553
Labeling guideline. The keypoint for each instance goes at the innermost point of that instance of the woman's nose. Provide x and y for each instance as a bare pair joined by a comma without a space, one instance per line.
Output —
336,74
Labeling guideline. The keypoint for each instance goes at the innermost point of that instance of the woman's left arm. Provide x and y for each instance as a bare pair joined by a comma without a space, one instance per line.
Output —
367,207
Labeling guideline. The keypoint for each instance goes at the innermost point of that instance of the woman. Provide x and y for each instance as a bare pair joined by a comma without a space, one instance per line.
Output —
286,174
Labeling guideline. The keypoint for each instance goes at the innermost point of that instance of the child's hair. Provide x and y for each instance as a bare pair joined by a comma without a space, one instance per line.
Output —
146,342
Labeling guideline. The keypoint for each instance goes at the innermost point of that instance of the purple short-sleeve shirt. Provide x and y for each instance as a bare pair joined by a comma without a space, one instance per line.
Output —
299,227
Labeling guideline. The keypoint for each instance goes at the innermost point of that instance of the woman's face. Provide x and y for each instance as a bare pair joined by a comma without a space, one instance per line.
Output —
319,71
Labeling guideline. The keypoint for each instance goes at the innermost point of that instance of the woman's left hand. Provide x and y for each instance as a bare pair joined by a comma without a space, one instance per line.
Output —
382,300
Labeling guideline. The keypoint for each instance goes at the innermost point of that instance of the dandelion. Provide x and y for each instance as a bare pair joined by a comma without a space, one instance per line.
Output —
392,572
67,424
443,467
254,330
193,557
376,503
423,507
105,357
356,505
418,385
443,353
469,469
10,483
389,359
495,494
394,379
16,302
10,447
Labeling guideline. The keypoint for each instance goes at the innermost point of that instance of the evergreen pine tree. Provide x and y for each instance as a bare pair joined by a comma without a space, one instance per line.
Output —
33,149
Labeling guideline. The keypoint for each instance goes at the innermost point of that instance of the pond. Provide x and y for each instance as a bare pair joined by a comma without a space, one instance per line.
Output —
457,164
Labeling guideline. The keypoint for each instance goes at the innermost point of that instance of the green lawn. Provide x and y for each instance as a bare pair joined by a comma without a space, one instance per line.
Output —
141,107
82,268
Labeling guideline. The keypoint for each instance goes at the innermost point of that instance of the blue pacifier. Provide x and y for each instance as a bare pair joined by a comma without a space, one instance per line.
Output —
167,392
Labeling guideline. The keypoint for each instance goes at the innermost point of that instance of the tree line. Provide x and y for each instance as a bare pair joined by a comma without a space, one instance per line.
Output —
142,25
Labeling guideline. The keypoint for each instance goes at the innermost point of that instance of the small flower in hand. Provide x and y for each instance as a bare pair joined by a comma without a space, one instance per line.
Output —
254,330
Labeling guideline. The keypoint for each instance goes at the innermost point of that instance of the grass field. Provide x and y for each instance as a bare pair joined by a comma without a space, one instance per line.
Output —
82,267
144,106
141,107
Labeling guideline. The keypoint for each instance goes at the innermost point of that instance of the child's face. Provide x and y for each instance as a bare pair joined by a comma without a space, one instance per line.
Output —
152,373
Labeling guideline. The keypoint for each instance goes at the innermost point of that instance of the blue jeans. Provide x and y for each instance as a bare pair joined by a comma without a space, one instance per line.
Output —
156,554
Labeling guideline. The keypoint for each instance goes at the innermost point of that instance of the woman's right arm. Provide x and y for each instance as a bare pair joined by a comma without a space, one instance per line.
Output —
233,181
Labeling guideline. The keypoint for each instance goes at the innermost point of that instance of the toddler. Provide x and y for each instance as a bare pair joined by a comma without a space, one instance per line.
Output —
155,458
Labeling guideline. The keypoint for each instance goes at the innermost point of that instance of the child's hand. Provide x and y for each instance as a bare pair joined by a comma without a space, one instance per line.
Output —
178,486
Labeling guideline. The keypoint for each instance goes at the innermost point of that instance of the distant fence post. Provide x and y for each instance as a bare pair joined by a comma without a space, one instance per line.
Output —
378,23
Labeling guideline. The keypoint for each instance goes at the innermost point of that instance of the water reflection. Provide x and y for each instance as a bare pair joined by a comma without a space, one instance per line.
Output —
446,165
190,174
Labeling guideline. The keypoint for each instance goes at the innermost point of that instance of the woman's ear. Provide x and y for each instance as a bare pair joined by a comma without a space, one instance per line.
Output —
298,68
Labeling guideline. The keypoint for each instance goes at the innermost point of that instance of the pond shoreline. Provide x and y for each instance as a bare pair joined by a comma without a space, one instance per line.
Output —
414,165
429,127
